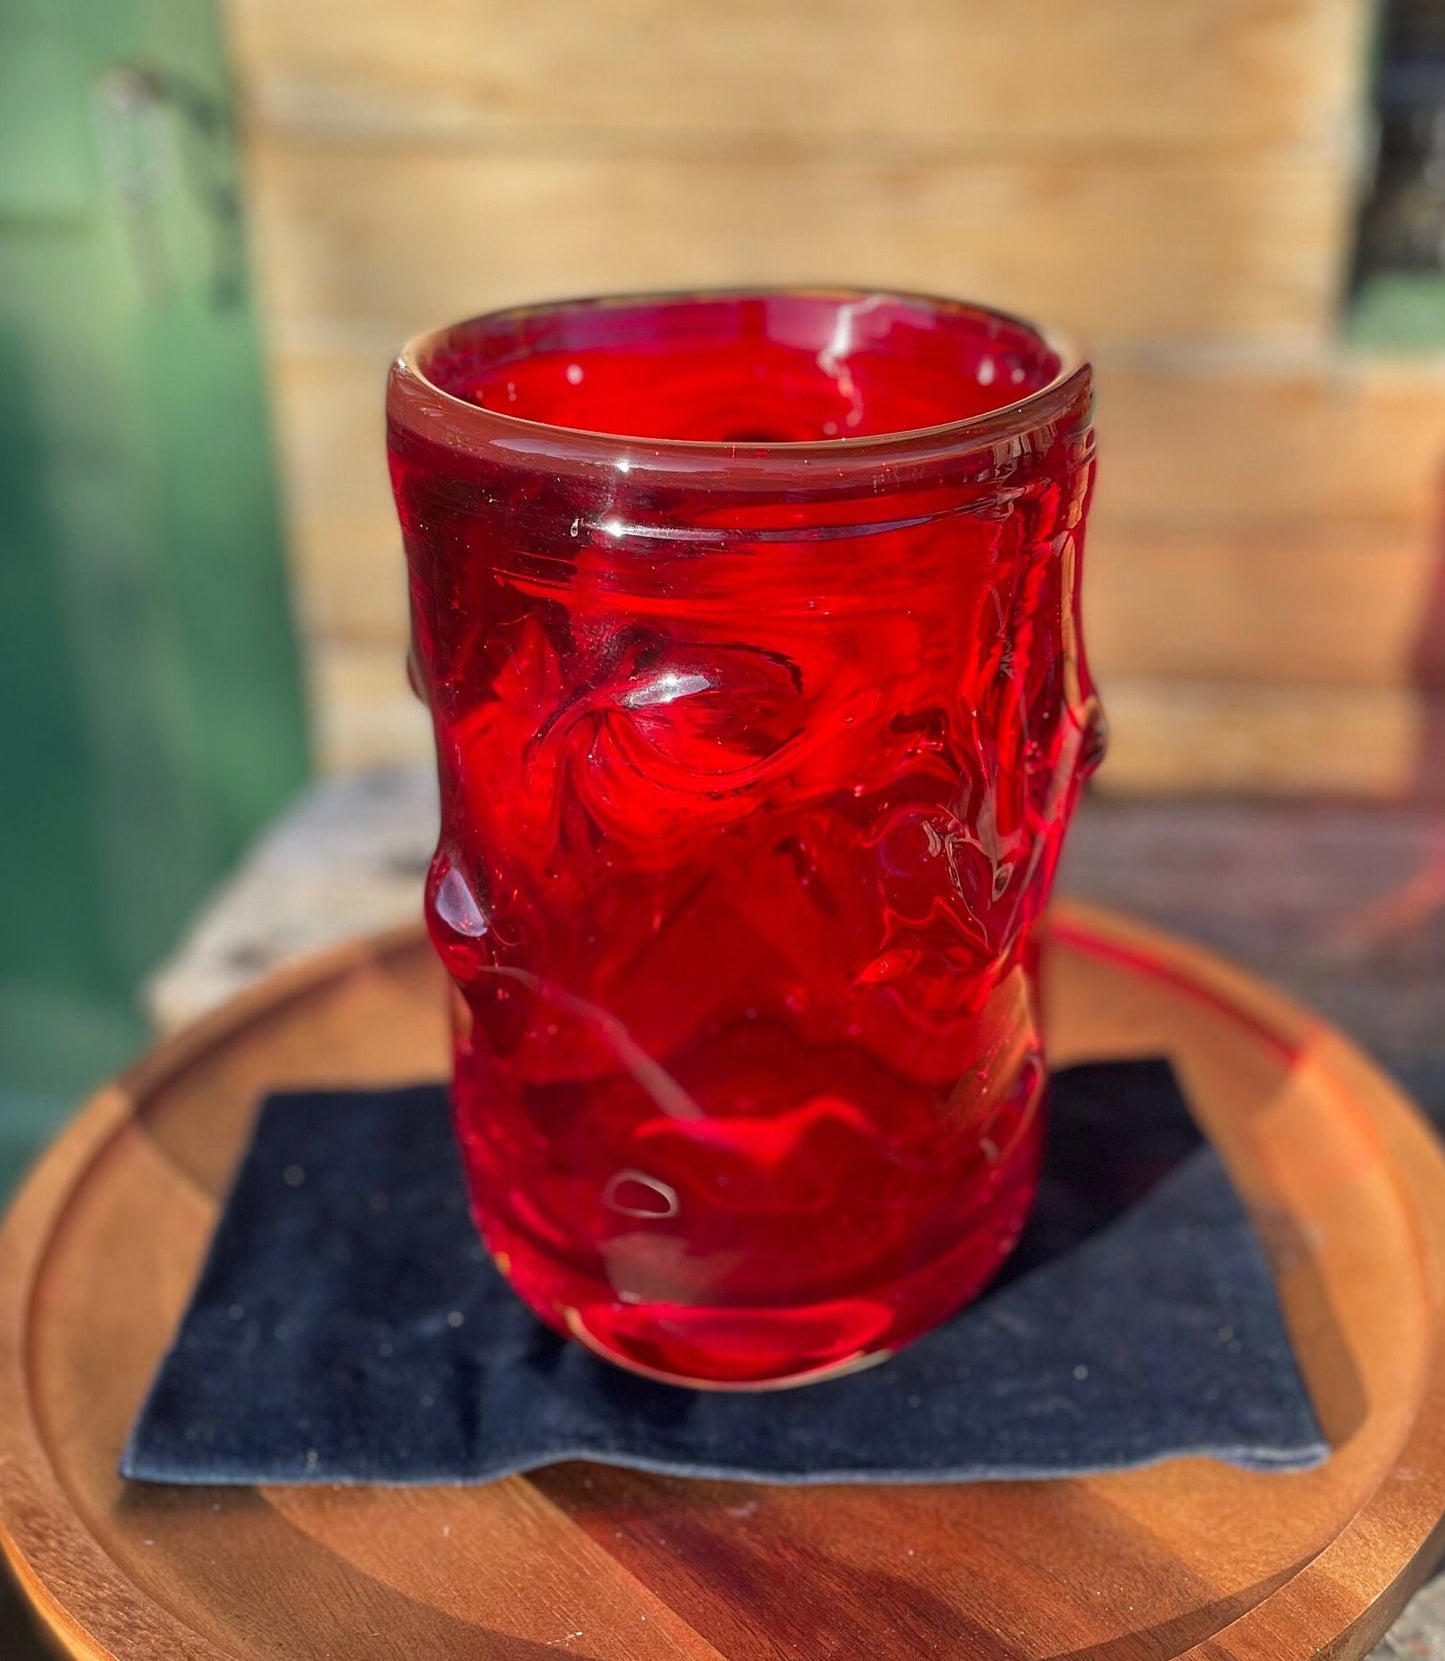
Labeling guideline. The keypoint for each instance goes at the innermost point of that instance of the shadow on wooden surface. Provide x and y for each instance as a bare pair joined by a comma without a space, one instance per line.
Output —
19,1640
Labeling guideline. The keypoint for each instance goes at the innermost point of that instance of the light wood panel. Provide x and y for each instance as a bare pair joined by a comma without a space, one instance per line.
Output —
1264,580
1323,603
1235,437
1279,603
1228,539
1227,440
810,72
1189,1558
362,245
1348,603
1247,738
1166,735
1173,184
365,714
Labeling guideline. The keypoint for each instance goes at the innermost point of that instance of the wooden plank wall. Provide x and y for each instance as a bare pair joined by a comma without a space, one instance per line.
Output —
1172,183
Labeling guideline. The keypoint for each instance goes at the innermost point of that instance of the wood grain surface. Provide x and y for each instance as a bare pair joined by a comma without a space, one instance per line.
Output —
1264,599
366,245
1190,1557
1166,735
1177,185
1316,483
813,73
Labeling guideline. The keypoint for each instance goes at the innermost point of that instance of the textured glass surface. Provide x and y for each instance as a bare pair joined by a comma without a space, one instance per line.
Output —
749,627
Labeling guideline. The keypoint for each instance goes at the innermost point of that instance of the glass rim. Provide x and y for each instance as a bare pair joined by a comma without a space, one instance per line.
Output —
462,424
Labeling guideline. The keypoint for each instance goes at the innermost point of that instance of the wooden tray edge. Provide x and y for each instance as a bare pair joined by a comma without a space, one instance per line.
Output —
1402,1518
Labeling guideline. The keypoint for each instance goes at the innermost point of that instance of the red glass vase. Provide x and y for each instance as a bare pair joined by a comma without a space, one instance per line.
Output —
749,625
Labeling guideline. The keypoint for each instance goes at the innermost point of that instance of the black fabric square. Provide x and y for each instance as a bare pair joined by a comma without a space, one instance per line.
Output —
348,1327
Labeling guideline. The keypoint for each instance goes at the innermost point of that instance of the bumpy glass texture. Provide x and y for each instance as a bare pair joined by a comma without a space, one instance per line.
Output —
749,628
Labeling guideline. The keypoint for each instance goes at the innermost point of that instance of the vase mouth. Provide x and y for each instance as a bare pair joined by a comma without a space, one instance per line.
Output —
1052,376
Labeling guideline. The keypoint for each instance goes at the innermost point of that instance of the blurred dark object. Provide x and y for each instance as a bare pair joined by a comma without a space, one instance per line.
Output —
1399,276
1403,224
19,1640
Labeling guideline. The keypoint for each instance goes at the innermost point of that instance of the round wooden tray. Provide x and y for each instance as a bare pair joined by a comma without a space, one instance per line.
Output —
1190,1557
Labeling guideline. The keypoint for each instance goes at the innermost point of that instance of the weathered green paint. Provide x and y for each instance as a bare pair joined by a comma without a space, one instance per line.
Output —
150,710
1399,312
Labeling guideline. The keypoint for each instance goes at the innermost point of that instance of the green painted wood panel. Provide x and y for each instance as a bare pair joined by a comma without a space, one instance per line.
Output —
150,707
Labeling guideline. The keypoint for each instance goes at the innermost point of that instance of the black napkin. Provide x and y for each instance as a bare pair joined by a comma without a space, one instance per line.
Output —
348,1327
